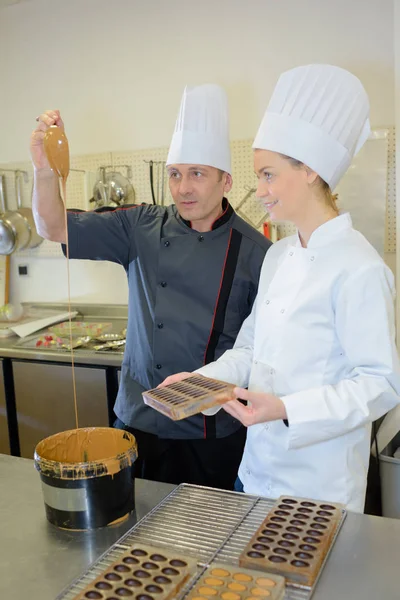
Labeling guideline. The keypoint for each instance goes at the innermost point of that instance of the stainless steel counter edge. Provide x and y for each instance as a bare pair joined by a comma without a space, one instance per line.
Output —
10,348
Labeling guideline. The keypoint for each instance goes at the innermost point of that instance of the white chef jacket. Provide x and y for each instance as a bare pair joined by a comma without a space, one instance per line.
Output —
321,337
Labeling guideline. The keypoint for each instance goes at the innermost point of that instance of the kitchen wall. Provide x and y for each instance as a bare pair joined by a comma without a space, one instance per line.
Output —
396,22
117,69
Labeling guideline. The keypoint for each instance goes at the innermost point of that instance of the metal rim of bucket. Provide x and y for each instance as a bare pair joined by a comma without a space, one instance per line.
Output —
89,469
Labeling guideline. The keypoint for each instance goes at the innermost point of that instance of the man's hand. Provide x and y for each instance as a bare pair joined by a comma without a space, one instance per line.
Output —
38,154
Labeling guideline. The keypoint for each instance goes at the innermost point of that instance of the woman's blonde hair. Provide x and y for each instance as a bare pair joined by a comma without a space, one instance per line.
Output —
330,199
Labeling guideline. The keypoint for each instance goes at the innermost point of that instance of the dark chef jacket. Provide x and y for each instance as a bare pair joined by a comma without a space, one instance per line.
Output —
189,293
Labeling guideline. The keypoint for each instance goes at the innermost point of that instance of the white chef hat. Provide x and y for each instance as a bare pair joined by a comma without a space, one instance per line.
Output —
319,115
201,135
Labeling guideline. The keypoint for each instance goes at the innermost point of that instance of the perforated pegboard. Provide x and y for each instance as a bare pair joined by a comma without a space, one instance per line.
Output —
80,186
390,237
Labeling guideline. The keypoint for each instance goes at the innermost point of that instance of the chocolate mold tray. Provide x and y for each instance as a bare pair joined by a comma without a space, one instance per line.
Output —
225,582
189,396
294,539
142,573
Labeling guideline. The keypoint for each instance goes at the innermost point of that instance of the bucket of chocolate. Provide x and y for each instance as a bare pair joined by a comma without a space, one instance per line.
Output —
86,476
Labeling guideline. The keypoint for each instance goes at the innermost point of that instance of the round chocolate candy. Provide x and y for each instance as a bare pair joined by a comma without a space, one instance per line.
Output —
140,573
298,522
293,529
113,577
170,571
158,558
278,519
177,563
324,513
153,589
265,540
281,551
321,520
304,555
94,595
286,543
307,547
261,547
269,532
289,501
143,597
123,592
304,510
103,585
133,582
299,563
149,565
129,560
314,532
121,568
290,536
318,526
138,552
255,554
274,526
282,513
327,507
308,504
311,540
162,580
277,559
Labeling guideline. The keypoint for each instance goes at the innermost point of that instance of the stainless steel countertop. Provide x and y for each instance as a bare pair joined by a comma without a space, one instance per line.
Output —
37,561
117,315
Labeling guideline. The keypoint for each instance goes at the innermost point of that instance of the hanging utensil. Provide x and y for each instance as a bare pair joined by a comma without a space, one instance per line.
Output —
112,189
14,228
34,239
152,181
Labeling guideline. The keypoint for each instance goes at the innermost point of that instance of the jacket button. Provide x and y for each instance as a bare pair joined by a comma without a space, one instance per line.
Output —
158,366
160,325
267,302
290,253
163,284
312,258
283,310
201,238
166,244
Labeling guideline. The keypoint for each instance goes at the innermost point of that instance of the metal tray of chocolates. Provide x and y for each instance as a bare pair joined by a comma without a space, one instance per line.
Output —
225,582
143,573
293,539
209,525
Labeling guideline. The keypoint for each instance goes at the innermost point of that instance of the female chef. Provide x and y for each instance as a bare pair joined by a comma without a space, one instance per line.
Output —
317,353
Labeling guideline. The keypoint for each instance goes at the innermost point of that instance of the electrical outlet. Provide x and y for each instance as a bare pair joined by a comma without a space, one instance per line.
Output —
22,269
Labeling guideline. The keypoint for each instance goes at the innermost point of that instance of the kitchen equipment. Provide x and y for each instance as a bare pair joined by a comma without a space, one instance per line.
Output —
211,525
35,239
189,396
86,476
152,572
14,228
151,174
113,189
225,582
294,539
80,328
57,151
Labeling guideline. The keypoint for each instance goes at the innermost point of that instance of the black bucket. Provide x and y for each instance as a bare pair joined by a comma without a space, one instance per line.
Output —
87,476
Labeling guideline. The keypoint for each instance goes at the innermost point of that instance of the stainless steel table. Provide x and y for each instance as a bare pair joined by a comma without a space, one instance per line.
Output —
37,560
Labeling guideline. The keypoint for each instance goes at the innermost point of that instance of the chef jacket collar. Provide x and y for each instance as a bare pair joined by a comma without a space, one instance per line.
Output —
324,234
224,218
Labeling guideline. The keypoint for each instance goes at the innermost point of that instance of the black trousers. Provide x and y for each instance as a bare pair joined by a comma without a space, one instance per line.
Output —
209,462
